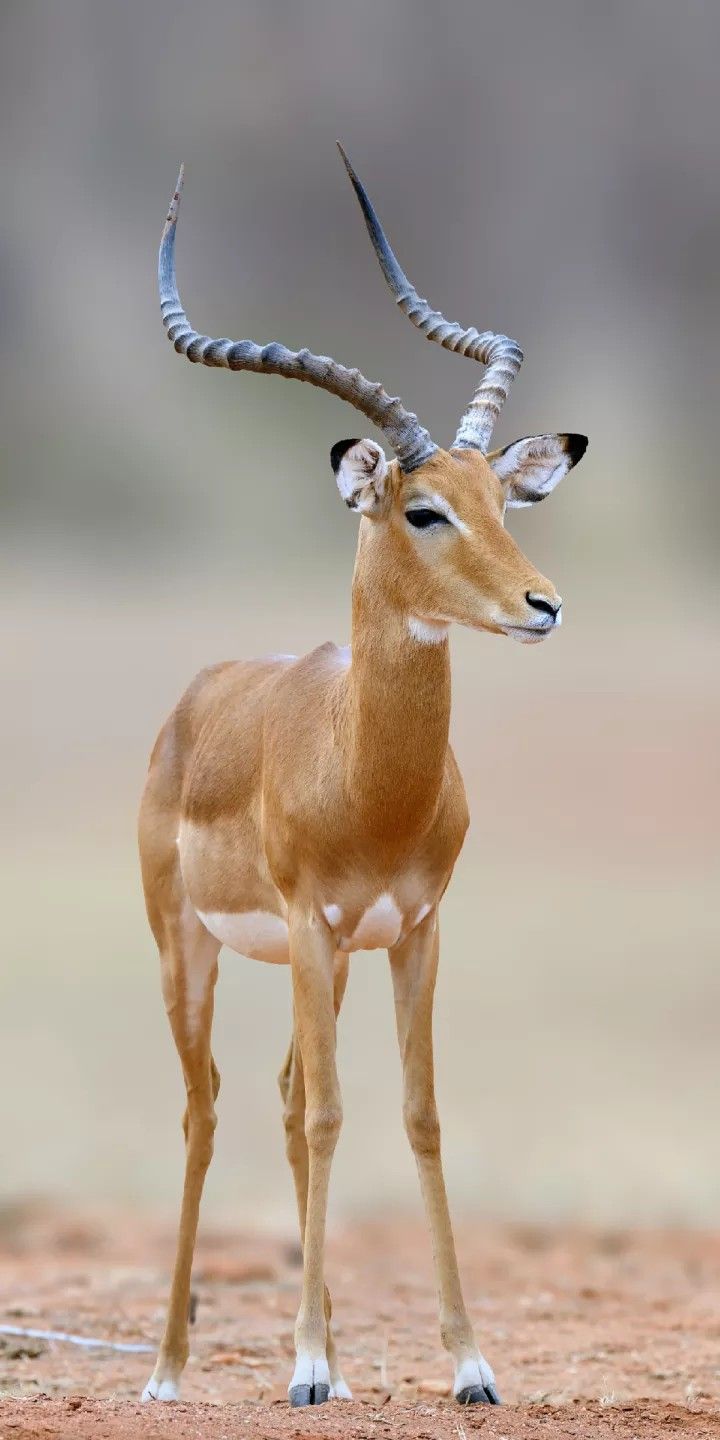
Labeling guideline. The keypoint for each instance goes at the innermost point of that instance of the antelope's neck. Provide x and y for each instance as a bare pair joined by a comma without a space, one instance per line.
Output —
399,717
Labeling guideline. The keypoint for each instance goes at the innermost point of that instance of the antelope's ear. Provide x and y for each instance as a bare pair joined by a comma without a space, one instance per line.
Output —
529,469
361,470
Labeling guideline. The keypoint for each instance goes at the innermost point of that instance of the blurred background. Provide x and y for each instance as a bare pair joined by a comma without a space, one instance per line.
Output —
548,169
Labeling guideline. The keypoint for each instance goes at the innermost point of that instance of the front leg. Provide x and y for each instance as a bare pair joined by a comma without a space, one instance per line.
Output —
312,955
414,968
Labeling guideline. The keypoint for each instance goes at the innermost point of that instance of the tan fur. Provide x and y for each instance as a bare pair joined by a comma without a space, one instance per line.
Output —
289,786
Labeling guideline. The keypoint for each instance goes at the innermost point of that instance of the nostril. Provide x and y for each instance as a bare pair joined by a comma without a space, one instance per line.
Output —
539,602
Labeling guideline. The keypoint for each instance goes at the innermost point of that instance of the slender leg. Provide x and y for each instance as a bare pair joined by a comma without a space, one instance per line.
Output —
414,969
311,959
189,971
292,1089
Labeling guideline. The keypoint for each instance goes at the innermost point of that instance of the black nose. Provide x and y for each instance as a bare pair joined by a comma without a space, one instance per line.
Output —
539,602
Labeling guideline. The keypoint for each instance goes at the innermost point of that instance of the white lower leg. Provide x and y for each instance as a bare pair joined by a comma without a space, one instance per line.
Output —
310,1369
472,1372
159,1388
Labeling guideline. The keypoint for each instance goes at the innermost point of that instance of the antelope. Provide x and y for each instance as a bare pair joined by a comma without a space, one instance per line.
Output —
299,810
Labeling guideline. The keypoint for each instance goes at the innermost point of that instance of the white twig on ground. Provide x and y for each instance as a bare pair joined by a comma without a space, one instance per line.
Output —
384,1381
608,1395
89,1341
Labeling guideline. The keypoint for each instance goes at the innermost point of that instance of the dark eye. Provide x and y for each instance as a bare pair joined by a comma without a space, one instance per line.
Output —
423,516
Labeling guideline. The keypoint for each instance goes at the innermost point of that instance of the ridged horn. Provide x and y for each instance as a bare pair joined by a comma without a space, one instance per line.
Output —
500,354
411,443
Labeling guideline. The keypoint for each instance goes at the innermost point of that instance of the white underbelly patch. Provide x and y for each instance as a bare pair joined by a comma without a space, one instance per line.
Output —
259,934
263,935
378,928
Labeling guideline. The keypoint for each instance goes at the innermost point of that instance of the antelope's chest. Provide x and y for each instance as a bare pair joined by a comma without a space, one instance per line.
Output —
363,916
230,888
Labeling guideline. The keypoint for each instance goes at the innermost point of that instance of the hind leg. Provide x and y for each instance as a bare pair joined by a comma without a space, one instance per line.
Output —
188,958
292,1089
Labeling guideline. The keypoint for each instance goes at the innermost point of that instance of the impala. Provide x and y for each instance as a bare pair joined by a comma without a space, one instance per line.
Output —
299,810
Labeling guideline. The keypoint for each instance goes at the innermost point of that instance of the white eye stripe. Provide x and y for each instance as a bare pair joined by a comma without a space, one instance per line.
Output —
437,502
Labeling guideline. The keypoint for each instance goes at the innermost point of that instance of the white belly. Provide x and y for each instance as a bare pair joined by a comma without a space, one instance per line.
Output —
262,935
256,933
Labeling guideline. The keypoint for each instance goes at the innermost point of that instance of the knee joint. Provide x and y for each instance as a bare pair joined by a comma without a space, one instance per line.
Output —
199,1130
322,1128
423,1128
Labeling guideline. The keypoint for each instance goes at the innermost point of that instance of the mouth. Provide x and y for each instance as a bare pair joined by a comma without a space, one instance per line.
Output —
524,634
531,634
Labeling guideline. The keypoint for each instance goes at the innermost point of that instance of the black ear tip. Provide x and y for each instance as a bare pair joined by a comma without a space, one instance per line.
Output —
576,445
339,449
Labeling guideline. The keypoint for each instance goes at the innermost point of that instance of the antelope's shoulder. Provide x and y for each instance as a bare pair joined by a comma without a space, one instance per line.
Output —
305,705
222,717
311,680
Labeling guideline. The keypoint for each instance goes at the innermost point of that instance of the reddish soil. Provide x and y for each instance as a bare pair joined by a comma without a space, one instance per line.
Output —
589,1333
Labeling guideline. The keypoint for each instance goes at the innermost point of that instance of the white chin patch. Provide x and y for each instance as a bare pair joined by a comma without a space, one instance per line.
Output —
427,632
527,637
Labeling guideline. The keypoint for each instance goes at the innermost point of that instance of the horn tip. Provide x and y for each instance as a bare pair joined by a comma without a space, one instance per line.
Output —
174,203
346,162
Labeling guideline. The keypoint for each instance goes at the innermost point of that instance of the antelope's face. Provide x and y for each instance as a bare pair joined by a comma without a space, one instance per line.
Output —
437,545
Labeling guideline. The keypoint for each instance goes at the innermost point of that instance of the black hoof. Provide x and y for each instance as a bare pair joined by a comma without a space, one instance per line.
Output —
478,1395
309,1394
301,1394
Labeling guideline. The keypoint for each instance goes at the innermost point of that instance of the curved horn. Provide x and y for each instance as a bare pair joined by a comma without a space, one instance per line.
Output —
411,443
501,355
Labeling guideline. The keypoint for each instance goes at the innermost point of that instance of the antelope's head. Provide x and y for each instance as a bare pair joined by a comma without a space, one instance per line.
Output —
436,547
433,539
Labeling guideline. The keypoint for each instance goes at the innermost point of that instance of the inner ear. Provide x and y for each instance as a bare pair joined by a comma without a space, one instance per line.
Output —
529,469
361,471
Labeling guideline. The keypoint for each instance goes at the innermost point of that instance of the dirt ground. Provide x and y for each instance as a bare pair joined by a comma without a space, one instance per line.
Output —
589,1332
